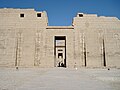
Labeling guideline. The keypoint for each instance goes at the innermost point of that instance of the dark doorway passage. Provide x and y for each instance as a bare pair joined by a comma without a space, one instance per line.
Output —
60,51
60,55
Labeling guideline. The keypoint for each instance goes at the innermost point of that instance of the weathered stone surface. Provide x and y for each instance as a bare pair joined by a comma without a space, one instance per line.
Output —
28,41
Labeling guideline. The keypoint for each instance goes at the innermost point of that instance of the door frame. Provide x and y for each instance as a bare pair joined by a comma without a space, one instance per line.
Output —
59,38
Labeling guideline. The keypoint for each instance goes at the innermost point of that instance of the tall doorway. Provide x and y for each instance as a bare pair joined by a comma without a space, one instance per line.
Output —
60,51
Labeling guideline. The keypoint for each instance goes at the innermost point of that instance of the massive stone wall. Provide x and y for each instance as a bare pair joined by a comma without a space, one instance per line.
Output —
66,31
101,38
26,40
18,34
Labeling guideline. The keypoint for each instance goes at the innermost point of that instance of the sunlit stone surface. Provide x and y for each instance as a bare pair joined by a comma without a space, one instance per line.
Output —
26,40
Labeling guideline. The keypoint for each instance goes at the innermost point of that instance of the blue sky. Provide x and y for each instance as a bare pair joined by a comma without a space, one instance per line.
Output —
61,12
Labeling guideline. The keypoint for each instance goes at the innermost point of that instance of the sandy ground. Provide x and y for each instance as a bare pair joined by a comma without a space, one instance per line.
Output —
59,79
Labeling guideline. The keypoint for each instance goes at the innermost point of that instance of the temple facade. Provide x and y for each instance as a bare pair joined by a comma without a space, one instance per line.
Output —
26,40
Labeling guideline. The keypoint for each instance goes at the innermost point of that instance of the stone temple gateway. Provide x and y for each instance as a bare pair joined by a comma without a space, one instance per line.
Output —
26,40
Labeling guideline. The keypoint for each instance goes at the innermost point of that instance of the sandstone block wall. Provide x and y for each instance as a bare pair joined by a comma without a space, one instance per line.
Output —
26,40
95,30
18,35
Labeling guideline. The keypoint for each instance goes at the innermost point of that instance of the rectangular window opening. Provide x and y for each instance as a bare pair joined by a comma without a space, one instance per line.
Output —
38,14
21,15
80,15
